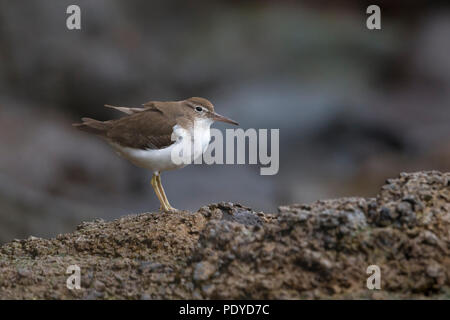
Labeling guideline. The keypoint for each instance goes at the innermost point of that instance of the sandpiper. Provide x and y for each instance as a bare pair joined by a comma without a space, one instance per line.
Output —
147,136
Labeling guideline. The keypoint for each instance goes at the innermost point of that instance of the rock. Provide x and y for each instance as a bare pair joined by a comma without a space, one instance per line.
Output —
434,270
99,286
228,251
430,238
24,273
145,296
92,295
203,271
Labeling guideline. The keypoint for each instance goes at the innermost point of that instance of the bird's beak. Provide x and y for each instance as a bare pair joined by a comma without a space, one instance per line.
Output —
218,117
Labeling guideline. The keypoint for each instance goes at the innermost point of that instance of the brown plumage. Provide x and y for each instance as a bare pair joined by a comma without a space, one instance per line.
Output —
149,127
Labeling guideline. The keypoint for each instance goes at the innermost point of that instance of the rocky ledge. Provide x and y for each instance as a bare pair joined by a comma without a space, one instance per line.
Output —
228,251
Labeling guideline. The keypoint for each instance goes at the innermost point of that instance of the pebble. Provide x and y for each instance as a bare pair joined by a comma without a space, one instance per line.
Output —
203,271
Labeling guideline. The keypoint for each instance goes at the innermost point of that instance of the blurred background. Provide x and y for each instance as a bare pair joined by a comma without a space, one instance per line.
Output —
353,106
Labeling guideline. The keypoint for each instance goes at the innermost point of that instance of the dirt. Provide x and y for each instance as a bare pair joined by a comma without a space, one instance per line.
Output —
228,251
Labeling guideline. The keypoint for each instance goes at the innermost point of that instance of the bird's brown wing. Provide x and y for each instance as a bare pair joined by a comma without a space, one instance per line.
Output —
149,129
126,110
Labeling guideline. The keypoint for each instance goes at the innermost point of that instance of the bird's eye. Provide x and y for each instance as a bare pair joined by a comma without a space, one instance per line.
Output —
199,109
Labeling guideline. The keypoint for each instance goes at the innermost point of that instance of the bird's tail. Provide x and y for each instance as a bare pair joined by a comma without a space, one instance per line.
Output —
92,126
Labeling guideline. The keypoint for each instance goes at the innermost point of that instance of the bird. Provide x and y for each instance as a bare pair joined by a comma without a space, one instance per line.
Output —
148,136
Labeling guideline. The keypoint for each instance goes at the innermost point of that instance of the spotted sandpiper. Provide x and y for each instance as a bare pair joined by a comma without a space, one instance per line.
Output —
147,136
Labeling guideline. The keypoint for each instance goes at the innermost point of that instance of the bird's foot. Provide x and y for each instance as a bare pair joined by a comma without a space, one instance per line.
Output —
169,209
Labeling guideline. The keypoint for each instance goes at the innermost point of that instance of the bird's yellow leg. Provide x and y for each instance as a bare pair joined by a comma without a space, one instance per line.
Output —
155,186
163,194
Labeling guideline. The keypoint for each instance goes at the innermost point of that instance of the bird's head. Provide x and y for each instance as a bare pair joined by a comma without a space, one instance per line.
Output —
201,108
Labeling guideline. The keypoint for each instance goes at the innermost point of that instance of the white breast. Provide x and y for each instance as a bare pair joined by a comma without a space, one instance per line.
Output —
161,159
202,132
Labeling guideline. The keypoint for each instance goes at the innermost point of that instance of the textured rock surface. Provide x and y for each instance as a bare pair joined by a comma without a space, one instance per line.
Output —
226,250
